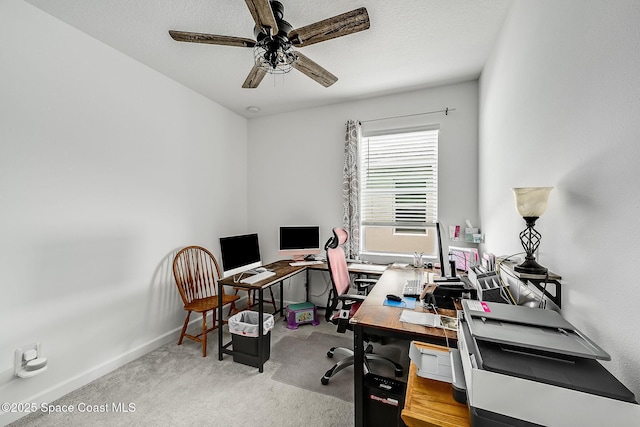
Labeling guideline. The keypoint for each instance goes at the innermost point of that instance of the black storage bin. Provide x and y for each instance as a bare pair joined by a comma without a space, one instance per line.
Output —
244,337
245,349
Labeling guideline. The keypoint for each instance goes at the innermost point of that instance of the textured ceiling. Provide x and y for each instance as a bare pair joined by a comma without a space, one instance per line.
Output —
411,44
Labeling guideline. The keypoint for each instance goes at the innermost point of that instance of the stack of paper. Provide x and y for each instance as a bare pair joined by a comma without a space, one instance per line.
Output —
429,319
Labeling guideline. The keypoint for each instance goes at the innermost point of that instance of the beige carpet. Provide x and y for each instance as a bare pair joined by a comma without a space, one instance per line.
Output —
175,386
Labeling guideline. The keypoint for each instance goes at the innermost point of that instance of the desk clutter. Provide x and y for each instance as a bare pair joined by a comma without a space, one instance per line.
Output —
506,350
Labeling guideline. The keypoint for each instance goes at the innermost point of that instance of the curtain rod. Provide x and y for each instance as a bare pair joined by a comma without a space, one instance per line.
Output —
445,111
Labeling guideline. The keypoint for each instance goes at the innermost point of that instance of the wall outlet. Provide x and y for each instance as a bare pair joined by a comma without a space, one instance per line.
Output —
29,361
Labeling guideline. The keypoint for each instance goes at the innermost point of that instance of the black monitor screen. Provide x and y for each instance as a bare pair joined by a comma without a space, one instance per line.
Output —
239,251
306,237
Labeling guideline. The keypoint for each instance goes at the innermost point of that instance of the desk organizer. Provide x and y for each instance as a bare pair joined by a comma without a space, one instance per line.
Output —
489,287
301,313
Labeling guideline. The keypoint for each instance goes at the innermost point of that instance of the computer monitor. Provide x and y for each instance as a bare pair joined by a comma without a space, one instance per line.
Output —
299,241
443,271
239,253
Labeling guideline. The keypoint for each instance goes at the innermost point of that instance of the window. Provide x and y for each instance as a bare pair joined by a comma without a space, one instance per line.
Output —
399,192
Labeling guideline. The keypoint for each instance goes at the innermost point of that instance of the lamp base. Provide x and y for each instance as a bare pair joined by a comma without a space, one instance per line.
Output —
530,266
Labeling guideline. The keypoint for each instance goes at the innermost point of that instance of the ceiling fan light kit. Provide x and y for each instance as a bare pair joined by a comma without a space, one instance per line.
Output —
274,51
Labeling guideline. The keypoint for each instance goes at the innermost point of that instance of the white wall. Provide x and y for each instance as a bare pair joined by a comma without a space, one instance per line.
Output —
296,159
559,106
106,167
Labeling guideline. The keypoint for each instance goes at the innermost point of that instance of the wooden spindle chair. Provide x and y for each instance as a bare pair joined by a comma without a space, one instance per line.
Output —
196,272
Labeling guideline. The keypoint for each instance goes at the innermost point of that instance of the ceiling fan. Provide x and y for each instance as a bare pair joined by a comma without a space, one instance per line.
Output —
275,39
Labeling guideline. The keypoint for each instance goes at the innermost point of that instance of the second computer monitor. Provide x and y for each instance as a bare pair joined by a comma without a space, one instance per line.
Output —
299,241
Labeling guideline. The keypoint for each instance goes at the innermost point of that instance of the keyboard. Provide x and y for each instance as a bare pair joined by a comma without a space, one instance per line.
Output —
257,277
413,288
301,263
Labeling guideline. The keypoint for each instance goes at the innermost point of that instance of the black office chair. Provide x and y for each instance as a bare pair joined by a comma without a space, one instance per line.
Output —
340,285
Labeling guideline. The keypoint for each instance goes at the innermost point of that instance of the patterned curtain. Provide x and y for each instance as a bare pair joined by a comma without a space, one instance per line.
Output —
351,189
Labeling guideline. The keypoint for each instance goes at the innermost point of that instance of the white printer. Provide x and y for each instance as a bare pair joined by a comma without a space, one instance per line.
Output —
527,366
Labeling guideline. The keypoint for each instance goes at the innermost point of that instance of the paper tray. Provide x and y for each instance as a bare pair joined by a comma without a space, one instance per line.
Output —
531,328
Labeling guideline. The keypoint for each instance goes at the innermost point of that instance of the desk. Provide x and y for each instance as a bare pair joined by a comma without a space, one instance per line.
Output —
283,271
355,268
377,319
430,403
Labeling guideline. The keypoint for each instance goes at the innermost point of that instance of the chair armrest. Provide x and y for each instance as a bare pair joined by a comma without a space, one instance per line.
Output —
365,284
351,297
348,303
369,281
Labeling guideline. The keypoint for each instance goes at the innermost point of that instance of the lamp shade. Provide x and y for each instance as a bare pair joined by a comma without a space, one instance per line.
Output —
531,201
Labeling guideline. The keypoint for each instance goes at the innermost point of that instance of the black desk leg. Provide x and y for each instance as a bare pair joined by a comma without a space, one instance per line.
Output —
260,330
282,298
358,375
220,286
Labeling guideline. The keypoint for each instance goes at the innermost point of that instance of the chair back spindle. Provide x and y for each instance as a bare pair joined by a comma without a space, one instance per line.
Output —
197,272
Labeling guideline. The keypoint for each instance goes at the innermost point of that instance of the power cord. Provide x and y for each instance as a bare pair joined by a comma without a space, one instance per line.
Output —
543,302
505,286
444,330
327,286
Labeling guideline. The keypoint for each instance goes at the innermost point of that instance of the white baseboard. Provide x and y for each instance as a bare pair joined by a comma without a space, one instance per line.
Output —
57,391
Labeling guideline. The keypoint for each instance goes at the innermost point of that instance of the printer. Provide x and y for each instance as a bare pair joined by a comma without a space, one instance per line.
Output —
527,366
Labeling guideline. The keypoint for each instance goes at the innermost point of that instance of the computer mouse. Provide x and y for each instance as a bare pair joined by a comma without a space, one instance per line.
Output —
393,297
260,270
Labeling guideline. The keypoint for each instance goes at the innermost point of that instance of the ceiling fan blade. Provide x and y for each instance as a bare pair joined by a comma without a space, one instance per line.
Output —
330,28
183,36
263,15
254,78
313,70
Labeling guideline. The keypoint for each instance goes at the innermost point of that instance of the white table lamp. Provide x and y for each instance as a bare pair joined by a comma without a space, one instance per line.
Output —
531,202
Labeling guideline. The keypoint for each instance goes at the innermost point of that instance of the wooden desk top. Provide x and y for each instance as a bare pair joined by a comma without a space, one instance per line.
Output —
282,269
430,403
373,313
371,269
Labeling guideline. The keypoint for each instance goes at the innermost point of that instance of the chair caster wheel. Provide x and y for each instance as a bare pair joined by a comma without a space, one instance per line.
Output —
324,381
330,354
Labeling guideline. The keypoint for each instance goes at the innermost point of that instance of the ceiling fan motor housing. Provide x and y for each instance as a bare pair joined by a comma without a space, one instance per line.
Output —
277,49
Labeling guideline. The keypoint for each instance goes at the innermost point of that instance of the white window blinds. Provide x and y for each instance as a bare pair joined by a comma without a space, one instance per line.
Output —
399,179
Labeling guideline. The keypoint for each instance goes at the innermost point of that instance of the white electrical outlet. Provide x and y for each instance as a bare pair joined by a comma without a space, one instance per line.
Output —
29,361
